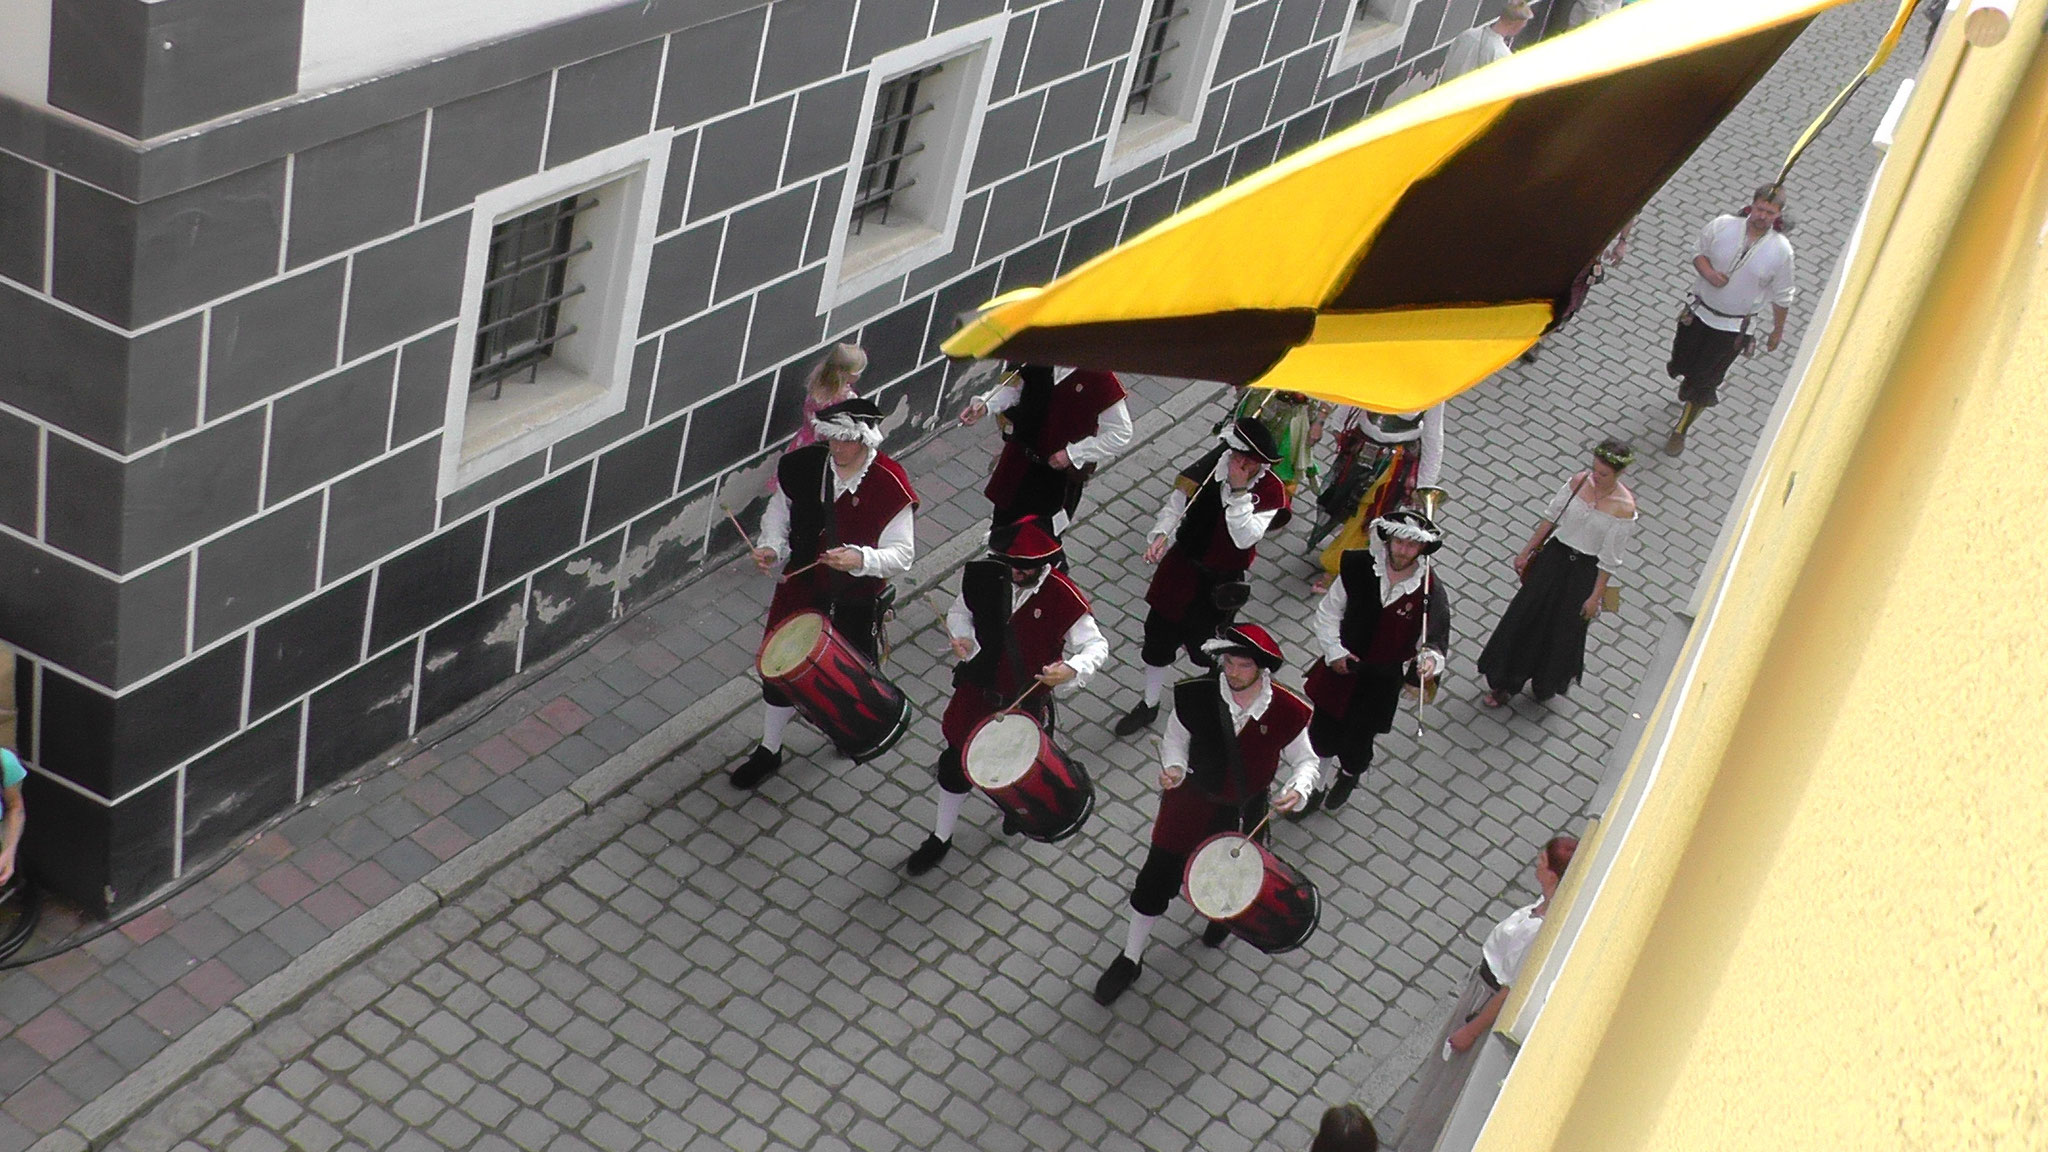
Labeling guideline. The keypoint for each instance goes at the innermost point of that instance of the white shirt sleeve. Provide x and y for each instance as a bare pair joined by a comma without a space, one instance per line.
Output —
1329,622
774,534
960,624
1299,766
1170,515
1112,436
1086,650
1247,525
1173,747
1615,545
898,547
1431,466
1782,287
1004,398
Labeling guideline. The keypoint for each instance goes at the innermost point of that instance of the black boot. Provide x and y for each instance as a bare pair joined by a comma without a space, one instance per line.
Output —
758,767
1116,979
927,856
1137,719
1340,791
1215,934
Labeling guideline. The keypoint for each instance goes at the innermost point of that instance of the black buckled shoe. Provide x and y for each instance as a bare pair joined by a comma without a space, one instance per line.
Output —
1340,792
1116,979
1215,934
927,856
1137,719
758,767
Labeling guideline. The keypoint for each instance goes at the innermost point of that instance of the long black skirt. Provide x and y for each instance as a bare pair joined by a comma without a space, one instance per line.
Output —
1541,639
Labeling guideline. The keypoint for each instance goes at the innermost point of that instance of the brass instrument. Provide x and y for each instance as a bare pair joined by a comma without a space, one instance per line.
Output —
1430,498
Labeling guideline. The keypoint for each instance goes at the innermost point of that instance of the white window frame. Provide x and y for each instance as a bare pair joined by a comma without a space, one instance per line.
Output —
1138,140
1360,41
857,265
587,377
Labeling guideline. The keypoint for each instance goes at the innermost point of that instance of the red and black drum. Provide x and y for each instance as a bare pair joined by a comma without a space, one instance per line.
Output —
1043,795
834,686
1234,881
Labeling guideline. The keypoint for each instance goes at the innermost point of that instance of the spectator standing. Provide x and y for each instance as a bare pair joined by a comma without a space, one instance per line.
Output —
1346,1128
1582,539
13,817
1500,965
1743,262
1479,46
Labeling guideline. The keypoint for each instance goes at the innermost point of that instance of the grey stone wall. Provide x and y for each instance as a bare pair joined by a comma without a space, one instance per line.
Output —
222,555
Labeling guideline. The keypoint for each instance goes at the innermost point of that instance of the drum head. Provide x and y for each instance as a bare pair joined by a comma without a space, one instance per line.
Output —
791,644
1225,876
1002,750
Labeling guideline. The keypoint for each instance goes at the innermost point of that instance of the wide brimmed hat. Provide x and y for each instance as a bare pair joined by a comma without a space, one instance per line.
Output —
1408,524
1025,543
1249,436
855,419
1247,640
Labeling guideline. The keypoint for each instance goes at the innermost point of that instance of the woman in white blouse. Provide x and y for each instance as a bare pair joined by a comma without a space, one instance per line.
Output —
1583,538
1499,966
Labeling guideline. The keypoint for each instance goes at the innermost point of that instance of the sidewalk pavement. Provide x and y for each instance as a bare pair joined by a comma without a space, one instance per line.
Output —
558,928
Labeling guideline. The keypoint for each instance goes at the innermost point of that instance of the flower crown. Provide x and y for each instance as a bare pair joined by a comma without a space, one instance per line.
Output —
1616,459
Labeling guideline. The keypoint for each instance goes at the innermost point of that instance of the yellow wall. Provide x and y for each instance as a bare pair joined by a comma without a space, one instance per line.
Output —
1830,931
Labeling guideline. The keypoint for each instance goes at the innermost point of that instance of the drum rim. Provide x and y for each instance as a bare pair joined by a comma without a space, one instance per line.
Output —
768,641
967,753
1188,888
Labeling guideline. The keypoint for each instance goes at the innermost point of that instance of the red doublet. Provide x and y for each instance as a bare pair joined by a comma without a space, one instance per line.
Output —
1382,638
860,517
1040,626
1072,412
1208,800
1182,576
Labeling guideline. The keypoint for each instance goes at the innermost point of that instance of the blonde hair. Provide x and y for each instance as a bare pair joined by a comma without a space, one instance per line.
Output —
834,375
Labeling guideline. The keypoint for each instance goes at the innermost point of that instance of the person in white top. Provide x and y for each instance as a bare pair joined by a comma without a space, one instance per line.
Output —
1500,965
1215,781
1743,263
1582,539
1475,48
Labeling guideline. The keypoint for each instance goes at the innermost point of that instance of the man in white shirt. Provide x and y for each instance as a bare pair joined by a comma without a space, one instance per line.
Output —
1060,425
1743,262
1477,47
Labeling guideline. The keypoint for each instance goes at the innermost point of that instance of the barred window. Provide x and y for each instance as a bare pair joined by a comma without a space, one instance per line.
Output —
1374,12
526,279
1155,44
886,170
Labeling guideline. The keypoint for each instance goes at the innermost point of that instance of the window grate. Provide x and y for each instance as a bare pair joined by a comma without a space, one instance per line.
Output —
885,168
526,278
1154,44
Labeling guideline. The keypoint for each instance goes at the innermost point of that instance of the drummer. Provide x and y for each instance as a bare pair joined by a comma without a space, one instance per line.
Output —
840,522
1204,541
1203,791
1019,622
1061,424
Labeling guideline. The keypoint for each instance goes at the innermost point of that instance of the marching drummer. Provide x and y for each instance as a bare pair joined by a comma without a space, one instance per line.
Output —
1022,631
1214,780
840,522
1060,426
1204,540
1385,616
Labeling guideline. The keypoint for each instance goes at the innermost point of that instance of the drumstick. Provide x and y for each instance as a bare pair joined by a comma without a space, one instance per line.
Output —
1254,834
936,605
737,527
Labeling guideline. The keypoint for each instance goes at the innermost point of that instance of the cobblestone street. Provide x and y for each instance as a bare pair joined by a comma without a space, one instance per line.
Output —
688,967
